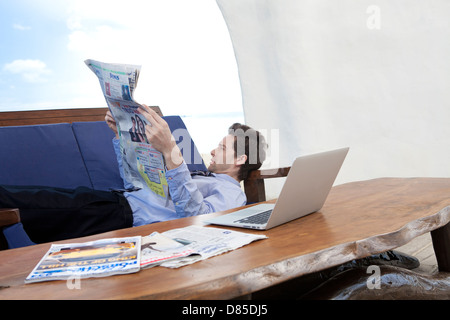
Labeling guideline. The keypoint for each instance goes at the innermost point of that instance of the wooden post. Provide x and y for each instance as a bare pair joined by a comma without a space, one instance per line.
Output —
9,217
441,245
255,190
254,185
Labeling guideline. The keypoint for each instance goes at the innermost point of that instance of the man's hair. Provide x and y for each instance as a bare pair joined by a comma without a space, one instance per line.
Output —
250,142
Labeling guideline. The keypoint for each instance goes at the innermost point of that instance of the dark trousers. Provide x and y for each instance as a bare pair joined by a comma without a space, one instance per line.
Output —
50,214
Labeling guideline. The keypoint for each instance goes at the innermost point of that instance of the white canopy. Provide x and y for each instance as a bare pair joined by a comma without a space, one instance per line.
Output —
324,74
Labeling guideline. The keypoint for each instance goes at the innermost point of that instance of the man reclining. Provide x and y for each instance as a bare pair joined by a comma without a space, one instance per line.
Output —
51,214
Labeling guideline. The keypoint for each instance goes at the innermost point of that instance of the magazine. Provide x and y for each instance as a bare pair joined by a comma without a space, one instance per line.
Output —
90,259
143,166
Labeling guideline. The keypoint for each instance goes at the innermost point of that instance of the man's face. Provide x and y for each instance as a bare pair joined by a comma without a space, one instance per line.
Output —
223,156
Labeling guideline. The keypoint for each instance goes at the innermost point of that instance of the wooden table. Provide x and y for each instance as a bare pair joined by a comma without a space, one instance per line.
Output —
358,219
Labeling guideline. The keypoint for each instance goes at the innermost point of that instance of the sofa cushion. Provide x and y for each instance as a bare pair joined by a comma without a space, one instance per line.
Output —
187,146
45,155
95,143
16,236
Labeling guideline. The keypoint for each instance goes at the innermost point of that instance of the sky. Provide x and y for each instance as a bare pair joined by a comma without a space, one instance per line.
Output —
188,67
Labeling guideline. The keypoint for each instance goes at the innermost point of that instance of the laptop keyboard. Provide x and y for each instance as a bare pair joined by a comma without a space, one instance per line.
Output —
259,218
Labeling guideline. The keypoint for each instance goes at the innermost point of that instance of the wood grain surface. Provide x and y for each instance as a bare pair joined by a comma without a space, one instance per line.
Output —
357,220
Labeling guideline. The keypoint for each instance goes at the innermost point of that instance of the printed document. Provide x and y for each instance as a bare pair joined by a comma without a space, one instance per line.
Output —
143,166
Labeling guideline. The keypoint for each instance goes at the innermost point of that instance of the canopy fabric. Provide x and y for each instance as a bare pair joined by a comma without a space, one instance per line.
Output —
327,74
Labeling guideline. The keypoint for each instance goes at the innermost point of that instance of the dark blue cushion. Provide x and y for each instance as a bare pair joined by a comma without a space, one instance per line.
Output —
16,236
187,146
95,142
41,155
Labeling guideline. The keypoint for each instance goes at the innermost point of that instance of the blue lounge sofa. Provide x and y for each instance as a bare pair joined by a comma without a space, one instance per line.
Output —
69,155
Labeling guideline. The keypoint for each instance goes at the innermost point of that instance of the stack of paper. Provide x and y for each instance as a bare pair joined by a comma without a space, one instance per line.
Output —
207,242
173,249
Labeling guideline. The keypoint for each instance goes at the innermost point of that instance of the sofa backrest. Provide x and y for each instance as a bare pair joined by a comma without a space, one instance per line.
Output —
95,144
71,155
45,155
184,140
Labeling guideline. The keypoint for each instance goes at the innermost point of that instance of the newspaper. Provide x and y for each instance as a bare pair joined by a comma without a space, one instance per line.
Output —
172,249
157,249
206,242
90,259
143,166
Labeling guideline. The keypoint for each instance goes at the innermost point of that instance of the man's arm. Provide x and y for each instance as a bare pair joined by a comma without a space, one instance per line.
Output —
189,201
159,136
111,123
187,198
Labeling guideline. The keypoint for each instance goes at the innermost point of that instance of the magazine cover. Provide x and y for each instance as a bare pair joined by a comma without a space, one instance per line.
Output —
91,259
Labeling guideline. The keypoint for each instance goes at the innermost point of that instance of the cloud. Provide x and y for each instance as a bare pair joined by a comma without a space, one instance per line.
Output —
21,27
183,47
32,71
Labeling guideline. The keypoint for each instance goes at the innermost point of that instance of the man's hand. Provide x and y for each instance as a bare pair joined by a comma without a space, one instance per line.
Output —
159,136
111,123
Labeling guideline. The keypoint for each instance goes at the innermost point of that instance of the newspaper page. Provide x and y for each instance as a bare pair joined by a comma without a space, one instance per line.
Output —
156,249
143,166
90,259
207,242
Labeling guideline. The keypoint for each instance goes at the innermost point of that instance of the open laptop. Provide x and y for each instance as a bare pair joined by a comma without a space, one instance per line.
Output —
305,190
